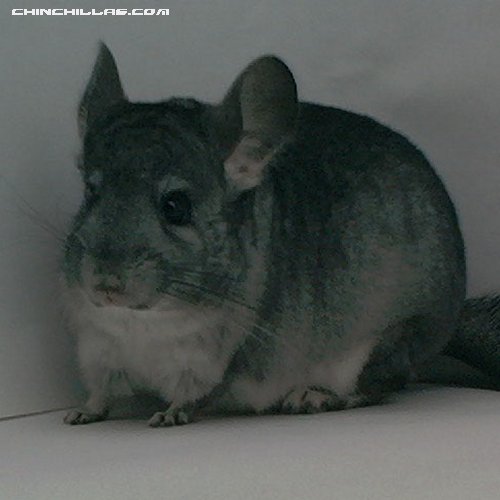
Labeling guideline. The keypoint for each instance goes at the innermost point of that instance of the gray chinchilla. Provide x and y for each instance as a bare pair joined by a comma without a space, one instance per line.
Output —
262,254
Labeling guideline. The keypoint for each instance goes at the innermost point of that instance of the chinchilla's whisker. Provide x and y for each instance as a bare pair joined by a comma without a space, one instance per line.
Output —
42,224
203,273
252,325
216,293
247,329
29,211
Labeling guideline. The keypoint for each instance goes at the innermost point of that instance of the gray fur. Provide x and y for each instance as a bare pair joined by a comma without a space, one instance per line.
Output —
323,262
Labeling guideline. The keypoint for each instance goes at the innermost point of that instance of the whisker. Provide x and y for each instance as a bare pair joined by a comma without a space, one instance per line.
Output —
203,273
247,330
29,211
216,293
253,325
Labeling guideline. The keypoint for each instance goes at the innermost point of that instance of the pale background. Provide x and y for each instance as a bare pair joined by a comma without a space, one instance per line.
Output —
429,68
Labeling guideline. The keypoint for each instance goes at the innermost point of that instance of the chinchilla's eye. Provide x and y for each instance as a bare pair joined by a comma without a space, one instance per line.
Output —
176,208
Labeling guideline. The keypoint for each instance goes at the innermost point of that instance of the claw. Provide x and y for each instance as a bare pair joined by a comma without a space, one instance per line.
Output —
309,400
170,418
81,417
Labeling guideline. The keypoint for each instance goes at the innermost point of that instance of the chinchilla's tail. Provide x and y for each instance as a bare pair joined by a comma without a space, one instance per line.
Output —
472,358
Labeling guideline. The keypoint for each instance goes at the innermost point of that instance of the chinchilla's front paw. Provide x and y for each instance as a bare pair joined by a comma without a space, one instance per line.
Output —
310,400
82,416
171,417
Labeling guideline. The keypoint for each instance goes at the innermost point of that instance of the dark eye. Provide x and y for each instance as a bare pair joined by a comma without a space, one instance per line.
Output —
176,208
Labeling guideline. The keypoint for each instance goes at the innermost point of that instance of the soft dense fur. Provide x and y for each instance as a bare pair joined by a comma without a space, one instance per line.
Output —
262,254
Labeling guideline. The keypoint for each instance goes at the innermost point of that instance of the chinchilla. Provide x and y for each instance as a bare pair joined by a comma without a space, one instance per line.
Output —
258,255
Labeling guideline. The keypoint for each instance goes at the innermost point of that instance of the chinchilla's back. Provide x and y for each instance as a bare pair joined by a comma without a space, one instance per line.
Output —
362,218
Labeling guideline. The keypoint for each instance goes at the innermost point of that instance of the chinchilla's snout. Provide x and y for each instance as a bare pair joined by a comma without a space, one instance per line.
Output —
108,290
119,277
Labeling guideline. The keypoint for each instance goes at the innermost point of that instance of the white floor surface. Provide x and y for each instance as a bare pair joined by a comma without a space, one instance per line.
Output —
429,443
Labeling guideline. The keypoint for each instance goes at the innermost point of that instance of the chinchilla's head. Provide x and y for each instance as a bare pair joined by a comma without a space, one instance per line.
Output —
165,183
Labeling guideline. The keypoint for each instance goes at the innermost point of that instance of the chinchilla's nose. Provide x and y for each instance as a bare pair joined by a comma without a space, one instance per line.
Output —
109,290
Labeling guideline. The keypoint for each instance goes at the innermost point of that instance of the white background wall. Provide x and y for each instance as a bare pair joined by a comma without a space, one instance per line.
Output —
430,68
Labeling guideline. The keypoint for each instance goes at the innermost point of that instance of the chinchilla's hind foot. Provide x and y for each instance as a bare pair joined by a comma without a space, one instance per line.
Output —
311,400
82,416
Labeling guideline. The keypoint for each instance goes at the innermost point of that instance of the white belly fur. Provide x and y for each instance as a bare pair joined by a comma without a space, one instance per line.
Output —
178,352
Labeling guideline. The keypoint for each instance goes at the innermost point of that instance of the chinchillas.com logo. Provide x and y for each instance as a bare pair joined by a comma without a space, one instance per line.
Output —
90,12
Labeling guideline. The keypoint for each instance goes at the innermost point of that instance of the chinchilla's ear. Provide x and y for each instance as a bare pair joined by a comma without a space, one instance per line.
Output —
103,89
256,117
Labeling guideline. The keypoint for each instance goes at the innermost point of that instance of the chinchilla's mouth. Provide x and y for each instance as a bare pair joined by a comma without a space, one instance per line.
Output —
114,299
132,302
134,307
